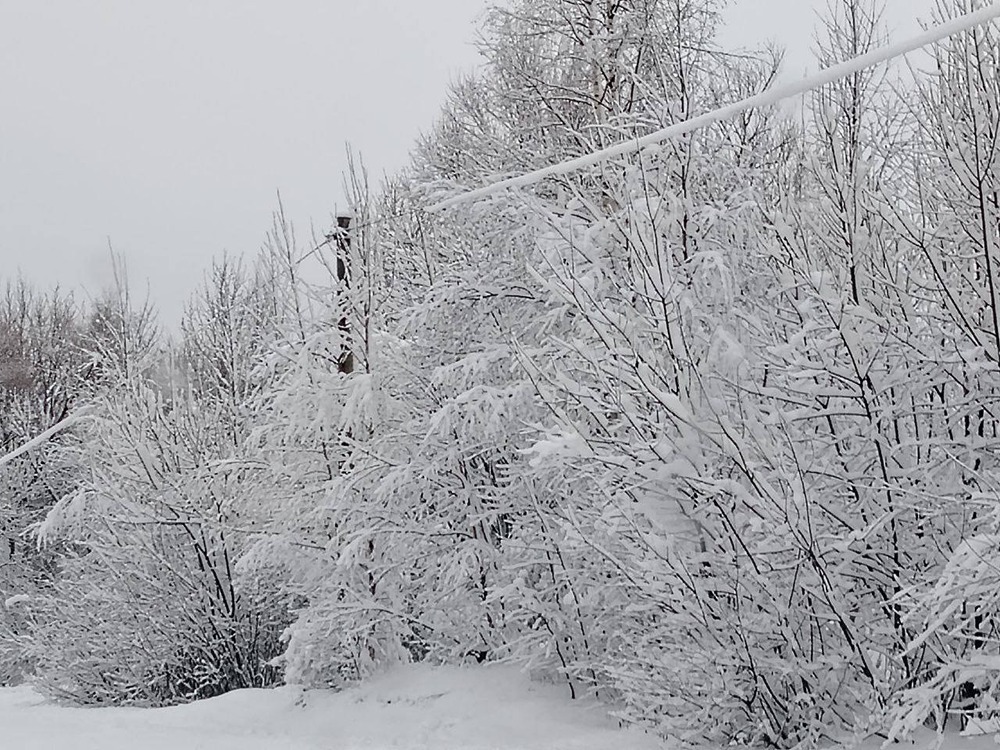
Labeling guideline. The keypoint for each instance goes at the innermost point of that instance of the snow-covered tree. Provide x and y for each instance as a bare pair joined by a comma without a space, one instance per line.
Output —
41,375
147,607
949,225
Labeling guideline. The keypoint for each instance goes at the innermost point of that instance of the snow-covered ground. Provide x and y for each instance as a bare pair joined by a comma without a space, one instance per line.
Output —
416,707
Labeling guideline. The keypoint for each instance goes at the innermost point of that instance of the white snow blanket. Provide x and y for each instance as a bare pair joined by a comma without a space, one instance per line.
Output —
412,708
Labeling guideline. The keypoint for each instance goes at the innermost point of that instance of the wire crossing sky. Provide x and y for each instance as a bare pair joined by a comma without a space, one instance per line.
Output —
766,98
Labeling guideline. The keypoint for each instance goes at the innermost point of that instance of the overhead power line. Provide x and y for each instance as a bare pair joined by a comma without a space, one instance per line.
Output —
766,98
43,437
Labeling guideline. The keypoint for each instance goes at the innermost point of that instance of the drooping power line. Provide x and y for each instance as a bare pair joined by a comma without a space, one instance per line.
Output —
43,437
764,99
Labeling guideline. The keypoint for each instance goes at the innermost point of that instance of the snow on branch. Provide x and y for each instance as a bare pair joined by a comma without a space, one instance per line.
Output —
766,98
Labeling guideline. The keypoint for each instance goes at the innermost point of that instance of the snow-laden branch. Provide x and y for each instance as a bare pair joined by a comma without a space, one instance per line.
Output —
43,437
766,98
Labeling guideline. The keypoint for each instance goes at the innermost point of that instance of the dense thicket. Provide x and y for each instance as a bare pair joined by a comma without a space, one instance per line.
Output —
706,431
42,370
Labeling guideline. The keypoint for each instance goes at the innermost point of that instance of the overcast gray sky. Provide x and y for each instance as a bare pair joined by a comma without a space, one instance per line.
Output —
167,127
793,23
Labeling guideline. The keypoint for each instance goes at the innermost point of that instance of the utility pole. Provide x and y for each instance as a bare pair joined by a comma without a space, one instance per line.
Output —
345,363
